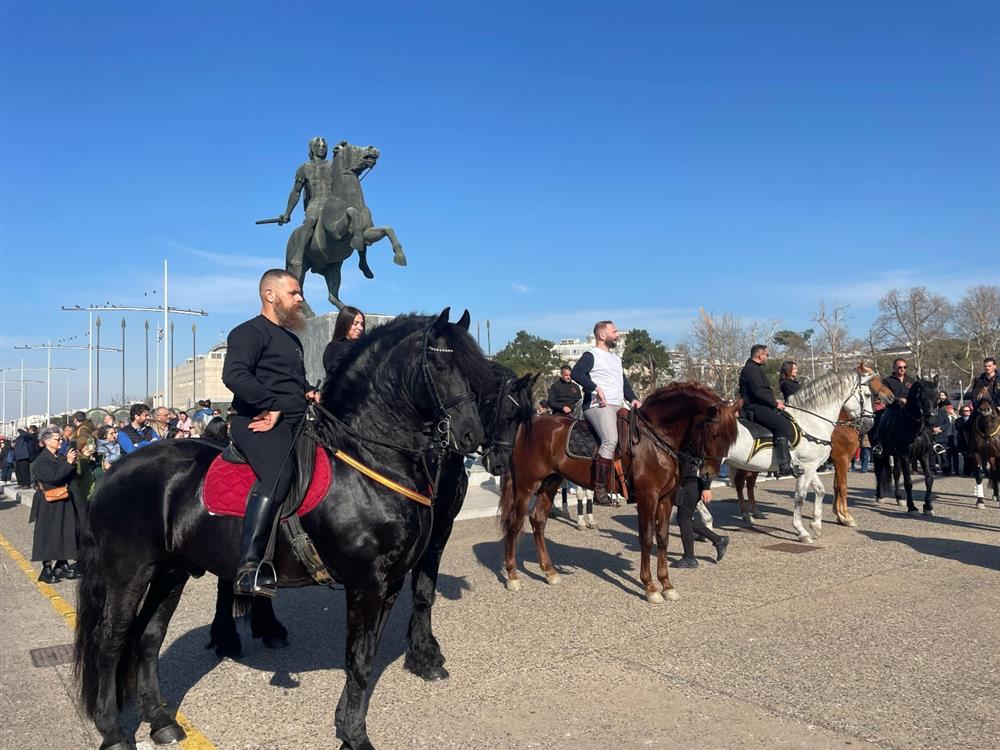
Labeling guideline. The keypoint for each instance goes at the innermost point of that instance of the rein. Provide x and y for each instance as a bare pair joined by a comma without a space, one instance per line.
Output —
839,422
696,461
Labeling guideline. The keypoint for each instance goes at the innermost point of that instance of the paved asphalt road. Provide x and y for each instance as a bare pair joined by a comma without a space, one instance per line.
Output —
885,636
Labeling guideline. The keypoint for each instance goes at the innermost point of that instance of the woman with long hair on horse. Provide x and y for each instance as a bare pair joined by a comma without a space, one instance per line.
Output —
350,327
149,529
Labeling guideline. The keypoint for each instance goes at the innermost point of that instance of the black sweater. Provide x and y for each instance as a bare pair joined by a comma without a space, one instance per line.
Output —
754,388
264,369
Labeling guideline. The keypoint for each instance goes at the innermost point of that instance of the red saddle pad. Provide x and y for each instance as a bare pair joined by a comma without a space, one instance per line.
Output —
227,485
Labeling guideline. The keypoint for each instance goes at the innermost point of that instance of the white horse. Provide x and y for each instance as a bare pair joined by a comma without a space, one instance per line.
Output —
815,408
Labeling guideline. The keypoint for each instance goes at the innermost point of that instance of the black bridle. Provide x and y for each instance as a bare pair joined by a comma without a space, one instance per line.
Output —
441,435
495,443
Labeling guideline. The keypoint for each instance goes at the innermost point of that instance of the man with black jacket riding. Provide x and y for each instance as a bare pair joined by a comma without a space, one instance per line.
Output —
989,380
899,383
265,370
760,402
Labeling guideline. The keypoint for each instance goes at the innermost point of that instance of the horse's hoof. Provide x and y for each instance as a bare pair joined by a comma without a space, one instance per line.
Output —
805,539
654,597
513,584
760,516
275,641
671,594
899,501
928,511
747,519
399,259
123,745
912,509
878,501
553,578
817,528
168,735
980,504
426,672
847,521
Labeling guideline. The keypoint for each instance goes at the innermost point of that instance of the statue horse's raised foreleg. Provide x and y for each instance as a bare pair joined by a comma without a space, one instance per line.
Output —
374,234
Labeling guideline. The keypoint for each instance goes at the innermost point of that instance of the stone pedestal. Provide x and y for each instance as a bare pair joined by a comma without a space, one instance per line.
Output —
319,332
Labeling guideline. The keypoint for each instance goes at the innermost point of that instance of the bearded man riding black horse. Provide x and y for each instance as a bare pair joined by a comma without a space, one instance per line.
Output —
401,411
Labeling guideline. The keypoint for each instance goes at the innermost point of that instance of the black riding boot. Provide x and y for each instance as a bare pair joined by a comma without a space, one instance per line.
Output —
602,470
784,455
255,575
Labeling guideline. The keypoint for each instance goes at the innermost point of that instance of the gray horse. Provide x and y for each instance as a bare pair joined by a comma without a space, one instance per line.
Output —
345,225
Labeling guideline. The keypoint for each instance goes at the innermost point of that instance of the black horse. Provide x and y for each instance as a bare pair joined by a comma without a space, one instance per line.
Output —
411,383
904,432
503,407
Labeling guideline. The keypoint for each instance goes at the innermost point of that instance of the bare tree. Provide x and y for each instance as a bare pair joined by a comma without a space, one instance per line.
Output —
835,335
912,319
716,348
977,322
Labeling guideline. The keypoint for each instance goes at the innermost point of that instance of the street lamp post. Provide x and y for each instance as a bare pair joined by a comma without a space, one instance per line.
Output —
124,398
146,326
97,390
194,363
171,363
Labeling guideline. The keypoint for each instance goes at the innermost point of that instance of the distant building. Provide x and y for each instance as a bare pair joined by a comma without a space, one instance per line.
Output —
198,378
570,350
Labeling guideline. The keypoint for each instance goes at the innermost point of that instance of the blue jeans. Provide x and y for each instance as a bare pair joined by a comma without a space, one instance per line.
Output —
866,454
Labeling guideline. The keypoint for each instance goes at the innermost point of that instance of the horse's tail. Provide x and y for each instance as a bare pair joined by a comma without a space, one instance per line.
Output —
92,595
506,510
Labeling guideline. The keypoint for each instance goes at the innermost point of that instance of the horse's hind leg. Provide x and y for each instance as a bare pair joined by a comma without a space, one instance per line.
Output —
538,517
332,275
223,634
800,495
368,606
374,234
154,617
116,623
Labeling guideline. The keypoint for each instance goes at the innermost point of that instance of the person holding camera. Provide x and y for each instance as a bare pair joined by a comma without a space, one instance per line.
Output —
53,509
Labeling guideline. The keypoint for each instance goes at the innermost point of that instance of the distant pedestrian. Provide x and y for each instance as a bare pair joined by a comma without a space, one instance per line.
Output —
24,451
136,434
184,424
53,510
6,459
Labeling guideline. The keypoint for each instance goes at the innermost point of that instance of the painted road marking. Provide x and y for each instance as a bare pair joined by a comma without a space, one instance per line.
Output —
195,739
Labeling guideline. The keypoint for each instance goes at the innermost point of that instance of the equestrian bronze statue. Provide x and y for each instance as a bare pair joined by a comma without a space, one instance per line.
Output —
337,221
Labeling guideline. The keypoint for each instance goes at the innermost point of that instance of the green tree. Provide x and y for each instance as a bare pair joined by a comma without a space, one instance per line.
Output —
647,361
527,353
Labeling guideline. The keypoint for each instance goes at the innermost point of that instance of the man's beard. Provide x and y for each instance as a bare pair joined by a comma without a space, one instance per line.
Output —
612,343
290,318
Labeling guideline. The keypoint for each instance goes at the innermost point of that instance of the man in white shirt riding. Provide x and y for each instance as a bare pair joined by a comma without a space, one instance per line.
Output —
605,389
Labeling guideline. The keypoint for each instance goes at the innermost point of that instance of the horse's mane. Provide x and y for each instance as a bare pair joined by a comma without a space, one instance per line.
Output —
356,373
826,385
671,391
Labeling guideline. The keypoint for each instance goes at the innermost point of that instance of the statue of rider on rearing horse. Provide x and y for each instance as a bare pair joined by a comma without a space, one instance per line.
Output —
337,221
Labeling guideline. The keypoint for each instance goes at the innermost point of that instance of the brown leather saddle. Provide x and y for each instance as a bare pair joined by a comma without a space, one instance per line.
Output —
582,443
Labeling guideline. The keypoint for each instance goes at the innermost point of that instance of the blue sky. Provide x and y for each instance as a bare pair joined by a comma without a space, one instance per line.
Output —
544,164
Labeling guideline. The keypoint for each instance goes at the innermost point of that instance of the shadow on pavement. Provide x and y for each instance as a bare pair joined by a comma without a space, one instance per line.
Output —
316,622
615,569
970,553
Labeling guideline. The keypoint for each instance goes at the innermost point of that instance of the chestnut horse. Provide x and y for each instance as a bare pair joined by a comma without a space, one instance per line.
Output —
679,422
846,440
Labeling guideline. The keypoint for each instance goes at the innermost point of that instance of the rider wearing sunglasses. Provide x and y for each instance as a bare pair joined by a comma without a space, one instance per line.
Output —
899,383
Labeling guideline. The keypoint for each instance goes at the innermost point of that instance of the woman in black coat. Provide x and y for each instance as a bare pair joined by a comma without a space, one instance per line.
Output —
350,326
55,535
788,379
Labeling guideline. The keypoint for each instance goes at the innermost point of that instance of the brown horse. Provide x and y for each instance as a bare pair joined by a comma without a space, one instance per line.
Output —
984,446
845,439
680,422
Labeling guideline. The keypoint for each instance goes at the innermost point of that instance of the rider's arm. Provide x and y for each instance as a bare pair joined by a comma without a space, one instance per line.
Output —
293,197
581,373
629,393
244,346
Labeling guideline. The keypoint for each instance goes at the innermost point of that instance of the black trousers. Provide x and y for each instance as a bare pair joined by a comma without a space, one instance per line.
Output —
688,521
268,453
769,418
22,469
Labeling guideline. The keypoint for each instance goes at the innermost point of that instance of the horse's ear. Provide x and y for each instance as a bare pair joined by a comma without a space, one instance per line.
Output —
441,323
464,321
535,377
737,405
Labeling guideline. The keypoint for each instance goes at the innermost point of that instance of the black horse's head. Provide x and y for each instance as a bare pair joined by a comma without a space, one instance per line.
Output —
923,398
453,367
356,159
503,410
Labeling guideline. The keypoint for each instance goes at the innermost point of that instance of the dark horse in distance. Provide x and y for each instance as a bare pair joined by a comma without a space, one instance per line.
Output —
904,432
503,408
148,530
